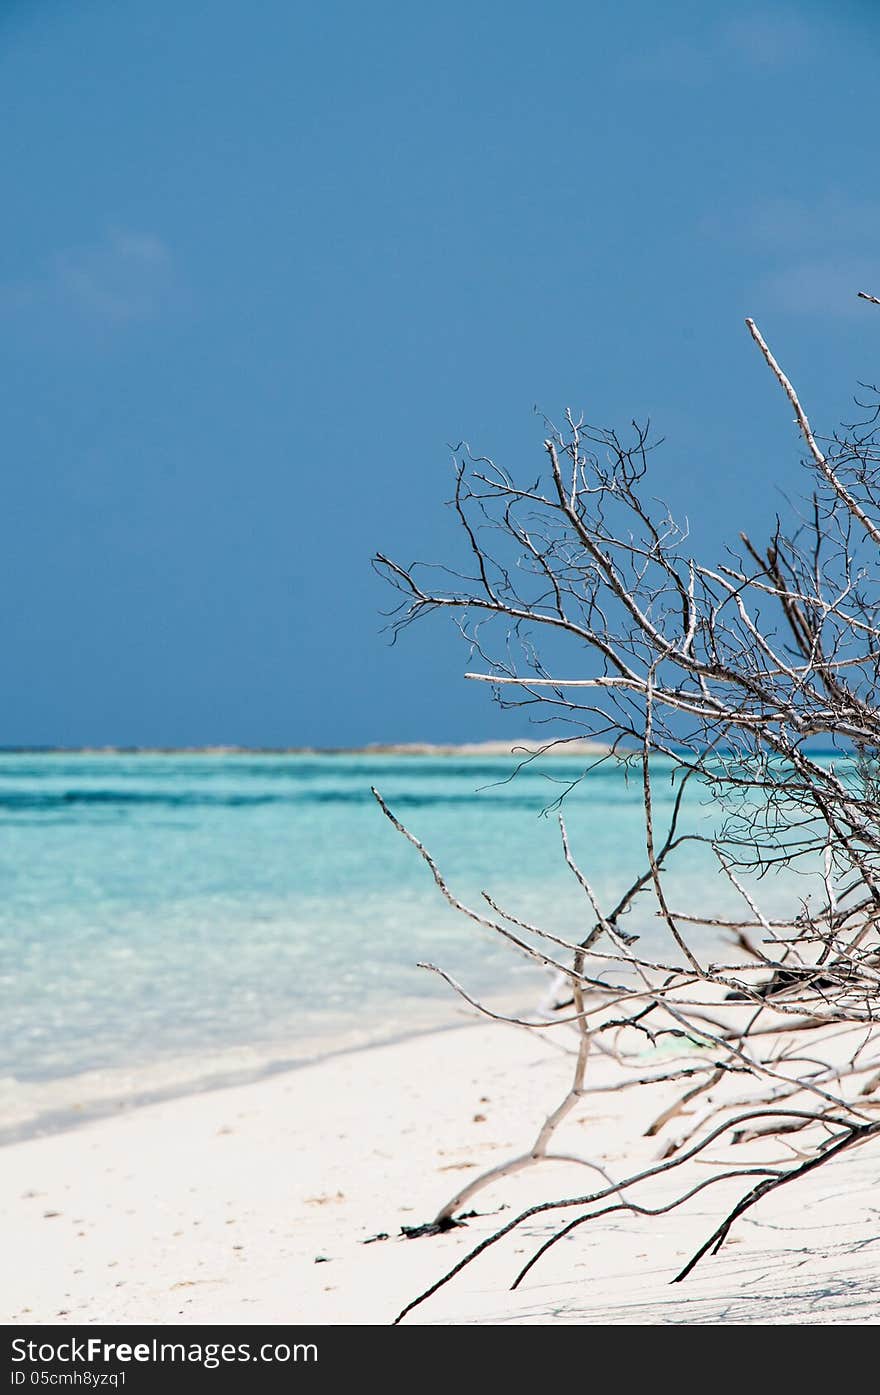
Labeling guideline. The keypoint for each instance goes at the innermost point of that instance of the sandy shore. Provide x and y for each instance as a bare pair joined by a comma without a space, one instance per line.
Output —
253,1204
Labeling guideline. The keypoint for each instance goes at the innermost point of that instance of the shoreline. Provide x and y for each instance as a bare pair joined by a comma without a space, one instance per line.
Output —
267,1202
65,1119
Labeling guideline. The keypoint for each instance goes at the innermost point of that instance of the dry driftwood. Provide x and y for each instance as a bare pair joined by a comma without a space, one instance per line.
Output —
727,675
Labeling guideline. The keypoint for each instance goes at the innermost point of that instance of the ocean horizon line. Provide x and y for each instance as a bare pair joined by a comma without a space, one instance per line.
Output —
555,746
560,745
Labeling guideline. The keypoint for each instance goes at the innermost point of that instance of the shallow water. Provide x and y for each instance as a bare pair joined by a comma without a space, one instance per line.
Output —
164,911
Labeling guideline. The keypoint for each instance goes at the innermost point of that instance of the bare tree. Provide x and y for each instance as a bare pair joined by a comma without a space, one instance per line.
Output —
583,603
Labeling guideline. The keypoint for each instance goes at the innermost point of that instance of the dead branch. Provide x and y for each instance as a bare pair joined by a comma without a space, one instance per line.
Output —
721,678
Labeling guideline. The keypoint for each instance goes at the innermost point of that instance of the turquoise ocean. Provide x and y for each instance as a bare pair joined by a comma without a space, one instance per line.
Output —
168,921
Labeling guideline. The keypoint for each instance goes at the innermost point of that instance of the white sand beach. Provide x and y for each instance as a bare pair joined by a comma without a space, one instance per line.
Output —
253,1204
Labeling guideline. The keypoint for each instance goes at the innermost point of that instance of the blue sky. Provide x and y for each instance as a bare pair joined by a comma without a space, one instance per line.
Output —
259,264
